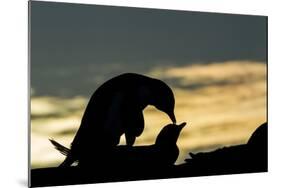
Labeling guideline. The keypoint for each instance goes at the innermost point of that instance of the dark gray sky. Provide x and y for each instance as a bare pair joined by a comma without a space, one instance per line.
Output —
76,47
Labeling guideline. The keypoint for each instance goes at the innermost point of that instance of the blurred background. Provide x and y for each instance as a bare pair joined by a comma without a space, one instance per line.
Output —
216,65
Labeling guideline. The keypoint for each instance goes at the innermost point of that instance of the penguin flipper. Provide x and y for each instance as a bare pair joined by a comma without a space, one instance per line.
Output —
134,127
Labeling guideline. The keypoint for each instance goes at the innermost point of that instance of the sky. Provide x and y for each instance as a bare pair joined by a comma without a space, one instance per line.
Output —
75,47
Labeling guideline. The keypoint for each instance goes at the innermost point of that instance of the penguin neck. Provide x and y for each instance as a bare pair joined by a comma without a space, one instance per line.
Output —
144,97
141,104
166,143
167,146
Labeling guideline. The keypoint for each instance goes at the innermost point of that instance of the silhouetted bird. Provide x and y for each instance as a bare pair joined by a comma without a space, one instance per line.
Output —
164,152
259,138
114,109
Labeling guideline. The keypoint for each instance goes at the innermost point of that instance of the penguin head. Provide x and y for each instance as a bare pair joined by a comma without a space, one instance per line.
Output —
169,135
163,98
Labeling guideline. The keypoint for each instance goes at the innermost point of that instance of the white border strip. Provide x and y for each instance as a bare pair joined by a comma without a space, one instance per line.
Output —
218,6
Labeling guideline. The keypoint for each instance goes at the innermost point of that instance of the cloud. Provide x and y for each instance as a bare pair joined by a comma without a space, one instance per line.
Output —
217,73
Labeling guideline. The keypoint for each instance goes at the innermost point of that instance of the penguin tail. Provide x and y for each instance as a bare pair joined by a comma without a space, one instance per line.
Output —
65,151
62,149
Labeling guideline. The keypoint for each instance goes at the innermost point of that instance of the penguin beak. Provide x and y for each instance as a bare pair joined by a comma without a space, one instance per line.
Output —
181,125
172,117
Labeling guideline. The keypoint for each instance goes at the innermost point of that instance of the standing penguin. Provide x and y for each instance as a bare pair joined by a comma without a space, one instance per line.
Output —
115,109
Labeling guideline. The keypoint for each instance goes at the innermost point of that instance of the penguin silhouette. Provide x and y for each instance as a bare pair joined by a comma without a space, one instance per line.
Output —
164,152
114,109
